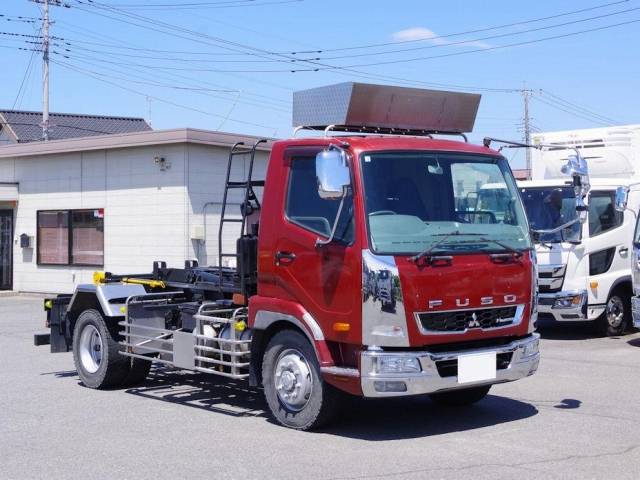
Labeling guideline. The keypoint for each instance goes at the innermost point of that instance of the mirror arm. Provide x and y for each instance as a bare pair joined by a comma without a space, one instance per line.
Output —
319,242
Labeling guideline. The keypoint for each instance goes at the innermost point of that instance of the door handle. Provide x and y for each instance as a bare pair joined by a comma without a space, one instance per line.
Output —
623,250
284,258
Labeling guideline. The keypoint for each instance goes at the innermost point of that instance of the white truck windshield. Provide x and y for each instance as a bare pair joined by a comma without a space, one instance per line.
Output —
414,200
550,207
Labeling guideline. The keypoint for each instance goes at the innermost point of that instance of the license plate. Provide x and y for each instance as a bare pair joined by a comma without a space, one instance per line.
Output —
476,367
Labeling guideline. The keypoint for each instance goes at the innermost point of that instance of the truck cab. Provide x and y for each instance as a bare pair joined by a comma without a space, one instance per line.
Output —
365,275
584,271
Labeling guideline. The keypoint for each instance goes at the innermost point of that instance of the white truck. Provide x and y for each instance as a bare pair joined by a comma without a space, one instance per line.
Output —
584,271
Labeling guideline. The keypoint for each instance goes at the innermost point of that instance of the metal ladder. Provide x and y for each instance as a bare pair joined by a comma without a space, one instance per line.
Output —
238,149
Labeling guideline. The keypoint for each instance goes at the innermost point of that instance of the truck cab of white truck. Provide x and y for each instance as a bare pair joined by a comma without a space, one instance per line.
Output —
584,271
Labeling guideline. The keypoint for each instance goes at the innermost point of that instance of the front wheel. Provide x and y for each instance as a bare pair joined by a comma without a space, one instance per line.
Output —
616,317
460,398
297,395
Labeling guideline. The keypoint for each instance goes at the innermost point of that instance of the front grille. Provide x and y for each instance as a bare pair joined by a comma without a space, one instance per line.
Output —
550,278
461,320
449,368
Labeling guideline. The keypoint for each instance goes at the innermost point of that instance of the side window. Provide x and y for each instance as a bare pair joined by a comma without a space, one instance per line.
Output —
305,207
602,213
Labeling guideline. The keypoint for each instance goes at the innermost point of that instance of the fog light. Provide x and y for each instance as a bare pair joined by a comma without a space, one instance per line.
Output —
400,364
383,386
531,348
572,301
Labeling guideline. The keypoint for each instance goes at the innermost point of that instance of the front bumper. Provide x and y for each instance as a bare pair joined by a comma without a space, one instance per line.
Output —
548,305
439,370
635,311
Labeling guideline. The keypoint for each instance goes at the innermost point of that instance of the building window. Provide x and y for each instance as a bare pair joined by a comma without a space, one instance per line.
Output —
71,237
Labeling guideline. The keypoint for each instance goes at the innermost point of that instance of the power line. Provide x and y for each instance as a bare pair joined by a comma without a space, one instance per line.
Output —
479,30
579,107
481,39
467,52
202,5
27,74
201,91
162,100
570,112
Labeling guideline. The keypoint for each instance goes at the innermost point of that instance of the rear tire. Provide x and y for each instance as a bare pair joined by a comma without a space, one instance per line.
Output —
294,389
95,352
460,398
616,318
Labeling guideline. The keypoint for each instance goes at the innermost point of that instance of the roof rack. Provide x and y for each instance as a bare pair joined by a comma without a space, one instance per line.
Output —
368,130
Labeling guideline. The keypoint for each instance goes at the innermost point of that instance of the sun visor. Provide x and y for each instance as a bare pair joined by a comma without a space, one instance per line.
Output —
368,107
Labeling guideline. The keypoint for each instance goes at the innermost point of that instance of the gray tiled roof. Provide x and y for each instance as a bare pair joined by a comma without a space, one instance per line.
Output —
27,125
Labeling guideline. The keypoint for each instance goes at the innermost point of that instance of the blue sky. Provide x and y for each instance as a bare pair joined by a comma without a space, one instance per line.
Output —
226,64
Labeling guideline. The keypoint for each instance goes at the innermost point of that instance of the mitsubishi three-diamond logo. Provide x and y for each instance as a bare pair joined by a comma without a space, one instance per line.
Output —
474,323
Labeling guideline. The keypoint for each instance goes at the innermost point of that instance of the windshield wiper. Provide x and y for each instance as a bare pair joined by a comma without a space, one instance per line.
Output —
515,252
445,237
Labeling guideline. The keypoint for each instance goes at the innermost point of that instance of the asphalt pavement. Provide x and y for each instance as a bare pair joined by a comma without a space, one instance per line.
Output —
577,418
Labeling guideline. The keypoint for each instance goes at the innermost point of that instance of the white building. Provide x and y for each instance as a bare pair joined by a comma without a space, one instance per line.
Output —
114,203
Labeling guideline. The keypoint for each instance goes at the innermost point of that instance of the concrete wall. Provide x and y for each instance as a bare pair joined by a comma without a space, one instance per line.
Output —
149,213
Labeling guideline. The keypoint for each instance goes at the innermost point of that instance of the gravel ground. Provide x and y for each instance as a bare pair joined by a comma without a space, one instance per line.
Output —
578,417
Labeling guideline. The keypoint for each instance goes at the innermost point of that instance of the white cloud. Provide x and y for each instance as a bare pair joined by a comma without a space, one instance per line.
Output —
420,33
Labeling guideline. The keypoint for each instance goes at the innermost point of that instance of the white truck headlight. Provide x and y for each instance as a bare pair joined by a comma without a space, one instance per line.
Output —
397,364
570,301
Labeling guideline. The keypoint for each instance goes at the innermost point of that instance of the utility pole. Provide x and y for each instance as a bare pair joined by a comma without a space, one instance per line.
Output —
45,71
46,39
526,95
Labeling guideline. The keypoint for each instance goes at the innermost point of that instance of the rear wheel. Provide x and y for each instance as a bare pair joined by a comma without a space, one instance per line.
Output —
297,395
616,317
95,352
460,398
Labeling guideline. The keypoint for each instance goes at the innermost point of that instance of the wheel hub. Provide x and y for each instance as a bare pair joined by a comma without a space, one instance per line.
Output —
293,380
90,348
615,312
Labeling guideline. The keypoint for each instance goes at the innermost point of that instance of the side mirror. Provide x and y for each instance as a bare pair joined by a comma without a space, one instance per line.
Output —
578,169
622,197
332,172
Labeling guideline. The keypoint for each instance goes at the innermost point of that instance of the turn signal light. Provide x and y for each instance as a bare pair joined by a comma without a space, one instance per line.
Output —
341,327
593,284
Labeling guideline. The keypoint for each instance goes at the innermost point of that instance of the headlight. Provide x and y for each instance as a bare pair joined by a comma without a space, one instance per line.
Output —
399,364
571,301
531,349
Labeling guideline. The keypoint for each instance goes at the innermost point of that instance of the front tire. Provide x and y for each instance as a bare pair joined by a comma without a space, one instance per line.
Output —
95,352
616,318
294,389
460,398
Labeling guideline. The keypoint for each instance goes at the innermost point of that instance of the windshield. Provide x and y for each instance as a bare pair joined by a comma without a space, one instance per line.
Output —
550,207
417,200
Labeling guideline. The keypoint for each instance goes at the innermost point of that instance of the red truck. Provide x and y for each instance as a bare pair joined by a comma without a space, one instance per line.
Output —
376,199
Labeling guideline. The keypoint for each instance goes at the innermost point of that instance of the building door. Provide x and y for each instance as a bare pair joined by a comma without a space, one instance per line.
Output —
6,249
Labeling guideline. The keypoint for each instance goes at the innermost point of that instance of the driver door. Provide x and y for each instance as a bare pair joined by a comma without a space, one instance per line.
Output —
325,280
